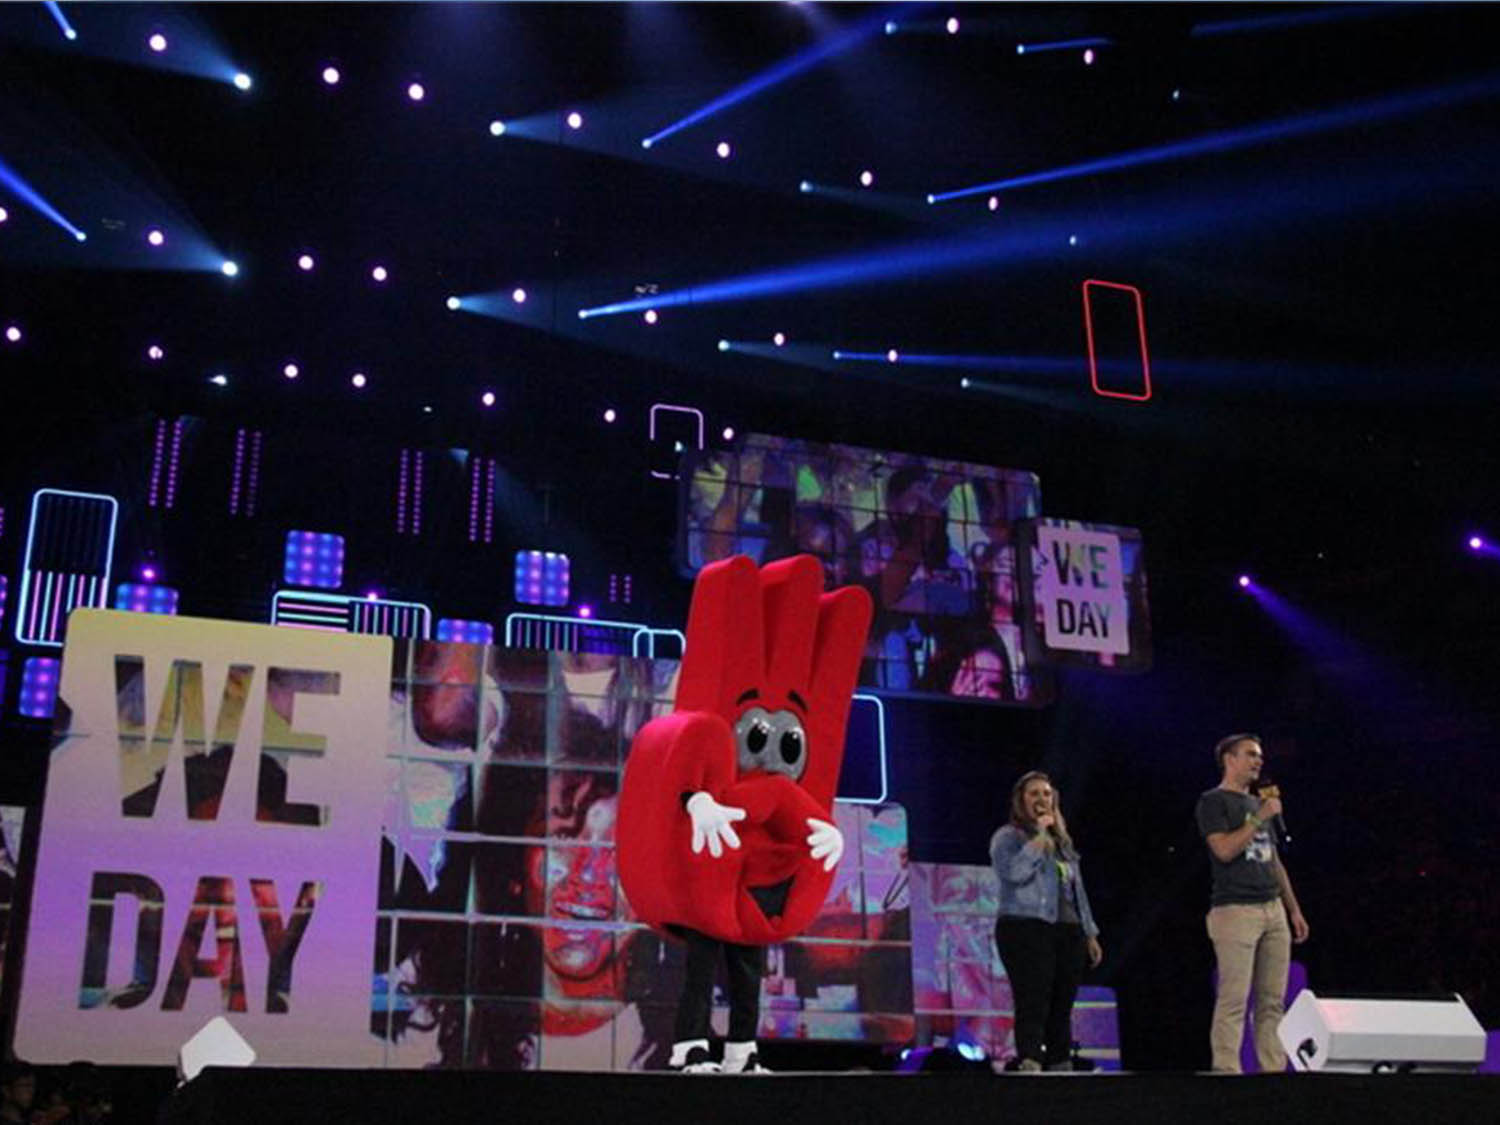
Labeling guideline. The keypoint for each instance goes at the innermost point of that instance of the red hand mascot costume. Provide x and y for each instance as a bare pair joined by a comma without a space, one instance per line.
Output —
726,836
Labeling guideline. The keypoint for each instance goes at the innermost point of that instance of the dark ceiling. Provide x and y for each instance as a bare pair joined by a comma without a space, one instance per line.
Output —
1319,276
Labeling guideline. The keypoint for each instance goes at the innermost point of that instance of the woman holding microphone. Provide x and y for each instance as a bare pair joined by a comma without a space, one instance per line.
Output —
1045,929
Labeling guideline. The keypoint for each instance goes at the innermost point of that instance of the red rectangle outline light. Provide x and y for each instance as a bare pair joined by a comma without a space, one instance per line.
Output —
1140,321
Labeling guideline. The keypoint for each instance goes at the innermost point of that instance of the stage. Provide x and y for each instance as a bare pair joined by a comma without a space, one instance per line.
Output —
328,1097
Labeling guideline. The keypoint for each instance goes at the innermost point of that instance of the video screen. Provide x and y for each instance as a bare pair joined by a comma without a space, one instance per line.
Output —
932,540
503,940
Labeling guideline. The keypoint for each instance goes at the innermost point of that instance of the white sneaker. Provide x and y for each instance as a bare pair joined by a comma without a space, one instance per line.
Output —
692,1057
742,1058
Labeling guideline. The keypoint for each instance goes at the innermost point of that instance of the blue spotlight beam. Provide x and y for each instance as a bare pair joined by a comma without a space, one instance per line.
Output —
788,68
1371,112
1253,24
62,21
1060,45
28,195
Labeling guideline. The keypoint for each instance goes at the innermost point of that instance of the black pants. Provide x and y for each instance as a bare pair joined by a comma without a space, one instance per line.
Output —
1044,961
746,964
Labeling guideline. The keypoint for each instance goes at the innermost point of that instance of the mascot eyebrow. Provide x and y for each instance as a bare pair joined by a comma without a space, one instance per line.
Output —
792,695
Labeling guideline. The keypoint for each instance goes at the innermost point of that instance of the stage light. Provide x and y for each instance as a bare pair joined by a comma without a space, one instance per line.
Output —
866,178
242,81
1072,240
779,339
1176,95
157,42
148,573
219,380
229,268
313,558
291,371
649,316
4,214
1244,581
1088,57
372,595
518,295
155,353
575,120
155,237
416,92
358,379
890,27
952,25
488,398
305,263
452,303
13,333
69,33
426,410
964,382
135,597
542,577
723,345
379,273
805,186
892,356
1476,543
331,75
79,236
1020,48
39,676
610,415
728,433
993,204
458,631
585,611
497,128
723,149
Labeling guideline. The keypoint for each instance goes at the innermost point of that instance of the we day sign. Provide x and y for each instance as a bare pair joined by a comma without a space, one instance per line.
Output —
208,843
1080,587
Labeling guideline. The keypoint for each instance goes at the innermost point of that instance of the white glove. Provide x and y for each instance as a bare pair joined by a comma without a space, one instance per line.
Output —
712,824
826,842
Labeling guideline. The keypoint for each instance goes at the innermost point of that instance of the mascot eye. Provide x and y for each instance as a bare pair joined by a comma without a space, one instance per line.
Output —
757,736
791,747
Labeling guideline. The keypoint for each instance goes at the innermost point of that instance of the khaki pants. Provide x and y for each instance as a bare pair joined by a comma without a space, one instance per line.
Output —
1253,946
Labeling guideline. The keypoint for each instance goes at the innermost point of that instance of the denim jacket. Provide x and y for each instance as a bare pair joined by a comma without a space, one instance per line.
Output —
1030,886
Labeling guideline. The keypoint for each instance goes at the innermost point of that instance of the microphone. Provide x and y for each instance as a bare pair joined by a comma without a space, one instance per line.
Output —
1267,789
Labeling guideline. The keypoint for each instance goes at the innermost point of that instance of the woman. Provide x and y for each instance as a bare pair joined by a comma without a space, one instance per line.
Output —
1045,928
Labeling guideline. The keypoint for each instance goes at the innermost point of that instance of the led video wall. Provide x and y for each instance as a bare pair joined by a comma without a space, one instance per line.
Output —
365,852
932,540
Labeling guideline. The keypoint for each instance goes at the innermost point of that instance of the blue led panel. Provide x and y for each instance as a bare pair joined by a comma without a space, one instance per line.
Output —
465,632
541,578
39,687
313,558
139,597
70,546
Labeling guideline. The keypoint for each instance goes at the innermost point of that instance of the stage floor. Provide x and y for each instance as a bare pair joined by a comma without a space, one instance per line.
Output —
330,1097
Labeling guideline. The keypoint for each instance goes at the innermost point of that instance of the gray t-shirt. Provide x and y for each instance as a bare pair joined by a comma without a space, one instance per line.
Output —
1250,876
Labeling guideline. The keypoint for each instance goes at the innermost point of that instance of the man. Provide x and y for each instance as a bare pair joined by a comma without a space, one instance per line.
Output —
1251,907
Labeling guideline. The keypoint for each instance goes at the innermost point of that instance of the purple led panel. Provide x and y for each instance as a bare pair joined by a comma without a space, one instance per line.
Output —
4,590
541,578
313,558
39,687
140,597
465,632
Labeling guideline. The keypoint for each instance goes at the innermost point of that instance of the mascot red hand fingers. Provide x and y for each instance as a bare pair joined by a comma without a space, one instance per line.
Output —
762,702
